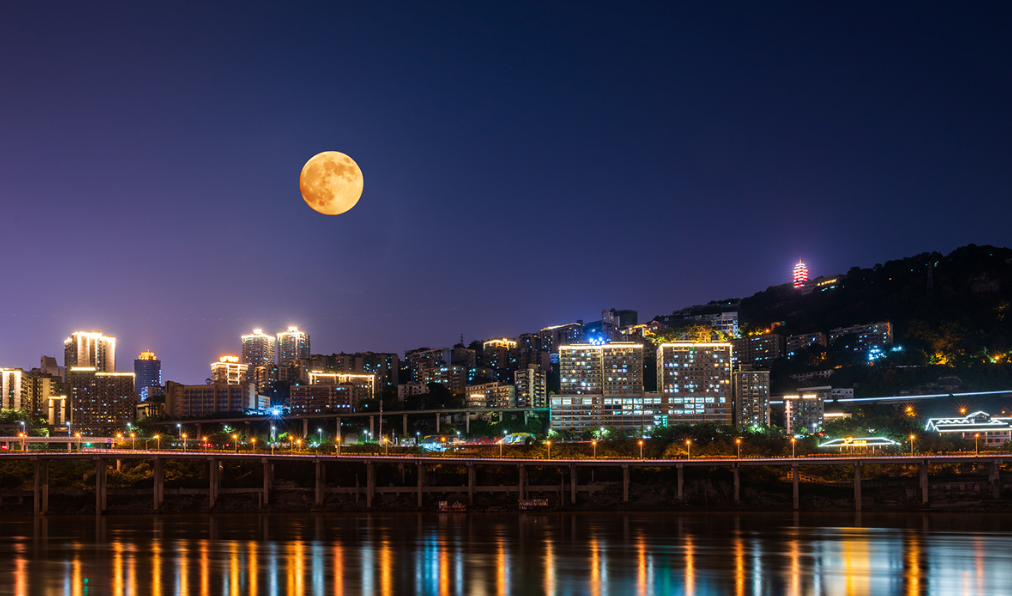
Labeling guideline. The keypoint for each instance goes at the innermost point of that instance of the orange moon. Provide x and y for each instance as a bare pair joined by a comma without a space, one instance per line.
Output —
331,182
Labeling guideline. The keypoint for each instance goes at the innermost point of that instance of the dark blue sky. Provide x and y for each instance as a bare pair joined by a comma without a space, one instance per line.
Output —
525,164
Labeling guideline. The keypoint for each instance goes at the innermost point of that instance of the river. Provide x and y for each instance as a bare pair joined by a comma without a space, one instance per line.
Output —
474,554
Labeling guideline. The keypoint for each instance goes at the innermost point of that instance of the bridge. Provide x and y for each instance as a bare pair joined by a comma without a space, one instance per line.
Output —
216,459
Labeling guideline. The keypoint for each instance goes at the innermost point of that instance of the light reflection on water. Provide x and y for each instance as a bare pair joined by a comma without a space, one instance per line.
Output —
559,553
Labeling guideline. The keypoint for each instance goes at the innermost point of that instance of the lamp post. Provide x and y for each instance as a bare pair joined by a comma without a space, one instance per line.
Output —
179,429
792,447
158,443
235,439
500,447
338,441
79,441
911,445
133,441
737,443
183,437
119,436
688,446
549,448
319,431
386,446
641,448
594,443
976,448
205,443
253,444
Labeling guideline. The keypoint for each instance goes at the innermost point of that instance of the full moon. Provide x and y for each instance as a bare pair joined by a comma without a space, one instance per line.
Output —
331,182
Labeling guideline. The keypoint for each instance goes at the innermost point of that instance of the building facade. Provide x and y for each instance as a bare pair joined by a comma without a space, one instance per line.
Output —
863,338
258,349
362,386
796,343
759,350
492,395
696,380
531,387
323,399
147,372
229,370
204,400
553,338
751,398
607,369
805,410
98,397
90,350
292,345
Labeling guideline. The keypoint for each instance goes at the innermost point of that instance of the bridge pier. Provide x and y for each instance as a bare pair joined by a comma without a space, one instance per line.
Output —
41,492
923,473
370,483
421,483
794,476
437,423
522,476
321,480
995,478
372,427
737,483
212,480
572,484
267,482
857,486
625,483
681,482
100,499
159,478
470,483
467,422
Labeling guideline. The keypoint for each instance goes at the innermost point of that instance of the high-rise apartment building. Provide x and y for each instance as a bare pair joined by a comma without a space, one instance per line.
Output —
292,345
147,371
492,395
696,379
322,399
864,337
465,357
258,349
796,343
229,371
90,349
751,398
759,350
552,338
422,359
608,369
804,411
12,391
531,387
46,395
98,397
454,378
500,355
203,400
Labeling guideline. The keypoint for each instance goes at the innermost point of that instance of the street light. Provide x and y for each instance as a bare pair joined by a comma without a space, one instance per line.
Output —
183,437
179,428
205,442
688,445
549,448
235,439
78,441
320,432
158,445
792,447
133,441
641,448
386,446
911,445
500,446
338,440
738,443
976,449
253,444
594,443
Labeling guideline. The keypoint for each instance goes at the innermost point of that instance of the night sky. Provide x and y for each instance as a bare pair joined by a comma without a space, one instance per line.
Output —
526,164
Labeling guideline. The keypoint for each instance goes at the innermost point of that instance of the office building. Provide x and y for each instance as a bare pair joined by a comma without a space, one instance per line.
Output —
90,350
531,387
608,369
183,401
322,399
796,343
751,398
98,397
147,372
229,371
696,379
759,351
258,349
805,410
292,345
492,395
864,338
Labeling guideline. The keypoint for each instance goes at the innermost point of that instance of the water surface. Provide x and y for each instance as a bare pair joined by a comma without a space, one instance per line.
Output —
473,554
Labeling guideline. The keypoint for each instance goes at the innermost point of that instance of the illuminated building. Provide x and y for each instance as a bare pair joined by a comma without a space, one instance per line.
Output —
229,370
800,275
500,355
98,397
822,284
751,398
493,395
608,369
90,349
531,387
258,349
421,360
46,395
292,345
364,385
860,444
203,400
384,366
696,379
632,412
994,431
322,399
759,350
147,372
12,393
454,378
804,411
552,338
864,337
796,343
